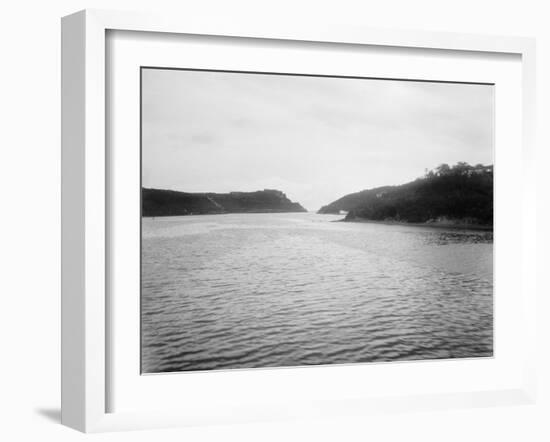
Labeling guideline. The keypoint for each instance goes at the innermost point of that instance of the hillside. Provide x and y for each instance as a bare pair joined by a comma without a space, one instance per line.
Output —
461,194
158,202
352,200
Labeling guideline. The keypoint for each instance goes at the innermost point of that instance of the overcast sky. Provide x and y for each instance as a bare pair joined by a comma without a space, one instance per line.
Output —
316,139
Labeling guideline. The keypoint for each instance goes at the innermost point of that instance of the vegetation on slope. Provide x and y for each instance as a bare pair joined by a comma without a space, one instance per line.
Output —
461,194
158,202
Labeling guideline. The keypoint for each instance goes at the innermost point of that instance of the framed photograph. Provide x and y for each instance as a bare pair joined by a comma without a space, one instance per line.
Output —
262,222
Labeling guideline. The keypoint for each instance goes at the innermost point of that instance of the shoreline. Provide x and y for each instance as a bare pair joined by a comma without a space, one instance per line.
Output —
439,225
221,213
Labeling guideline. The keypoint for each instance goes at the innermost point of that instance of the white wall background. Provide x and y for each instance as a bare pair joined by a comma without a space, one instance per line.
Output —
30,216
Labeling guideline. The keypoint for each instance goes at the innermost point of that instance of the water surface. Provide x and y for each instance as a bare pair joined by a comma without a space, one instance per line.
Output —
267,290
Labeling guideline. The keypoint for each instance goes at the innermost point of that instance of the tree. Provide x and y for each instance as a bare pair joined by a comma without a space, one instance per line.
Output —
442,169
461,168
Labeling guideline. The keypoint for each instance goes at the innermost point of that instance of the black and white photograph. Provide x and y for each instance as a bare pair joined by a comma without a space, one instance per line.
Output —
299,220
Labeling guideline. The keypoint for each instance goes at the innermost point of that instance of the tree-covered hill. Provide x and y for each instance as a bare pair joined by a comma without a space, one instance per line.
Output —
158,202
461,194
352,200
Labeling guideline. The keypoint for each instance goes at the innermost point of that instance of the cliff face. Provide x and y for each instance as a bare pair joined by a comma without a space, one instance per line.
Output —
157,202
461,194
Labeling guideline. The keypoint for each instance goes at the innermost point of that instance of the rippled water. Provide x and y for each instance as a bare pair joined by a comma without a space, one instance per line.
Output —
265,290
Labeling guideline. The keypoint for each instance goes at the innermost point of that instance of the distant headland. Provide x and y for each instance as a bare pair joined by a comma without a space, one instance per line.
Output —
159,202
459,195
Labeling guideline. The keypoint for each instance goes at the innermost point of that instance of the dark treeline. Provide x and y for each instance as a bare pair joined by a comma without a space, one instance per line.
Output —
159,202
461,193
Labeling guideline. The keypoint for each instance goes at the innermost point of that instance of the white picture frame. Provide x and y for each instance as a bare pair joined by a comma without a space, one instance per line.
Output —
85,211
